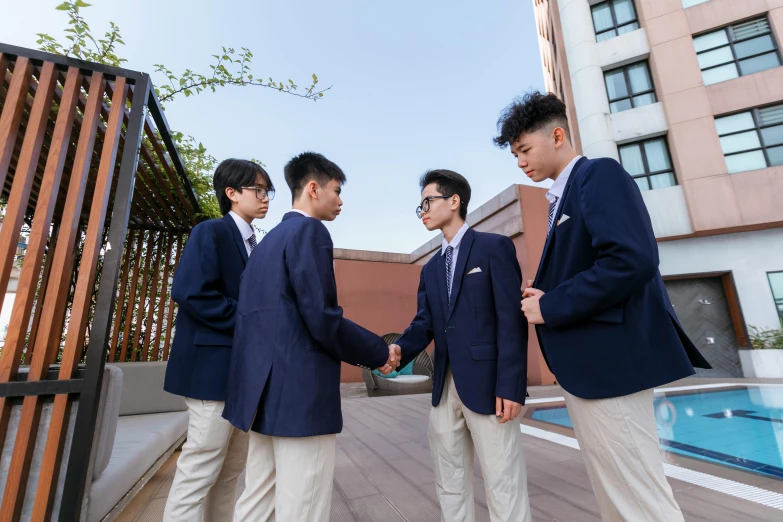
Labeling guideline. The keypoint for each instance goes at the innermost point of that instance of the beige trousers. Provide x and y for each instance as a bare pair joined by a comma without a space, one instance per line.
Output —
288,479
212,459
454,432
619,442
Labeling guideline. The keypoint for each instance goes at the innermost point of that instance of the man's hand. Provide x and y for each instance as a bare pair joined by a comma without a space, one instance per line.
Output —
395,354
507,410
531,306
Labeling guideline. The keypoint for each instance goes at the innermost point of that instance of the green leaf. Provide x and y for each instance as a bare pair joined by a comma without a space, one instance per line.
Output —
80,3
65,6
181,82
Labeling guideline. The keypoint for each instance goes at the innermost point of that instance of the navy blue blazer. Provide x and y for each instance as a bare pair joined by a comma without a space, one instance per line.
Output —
482,333
610,327
206,288
291,336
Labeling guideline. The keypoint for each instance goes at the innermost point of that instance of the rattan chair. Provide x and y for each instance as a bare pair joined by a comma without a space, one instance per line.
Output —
402,385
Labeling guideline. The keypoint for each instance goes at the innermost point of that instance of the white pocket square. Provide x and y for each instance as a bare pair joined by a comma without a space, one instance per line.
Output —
475,271
563,219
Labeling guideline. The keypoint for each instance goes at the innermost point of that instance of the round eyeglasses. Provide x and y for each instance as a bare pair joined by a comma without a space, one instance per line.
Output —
425,204
262,193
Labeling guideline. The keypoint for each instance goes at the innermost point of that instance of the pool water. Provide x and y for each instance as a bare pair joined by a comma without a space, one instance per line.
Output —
737,427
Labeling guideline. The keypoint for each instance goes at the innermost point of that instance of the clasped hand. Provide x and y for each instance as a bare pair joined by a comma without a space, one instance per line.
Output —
395,355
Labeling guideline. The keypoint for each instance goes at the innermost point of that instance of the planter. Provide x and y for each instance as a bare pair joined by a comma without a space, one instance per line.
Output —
762,364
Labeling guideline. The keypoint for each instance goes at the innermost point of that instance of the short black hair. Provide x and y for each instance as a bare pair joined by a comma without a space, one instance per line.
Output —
310,166
449,183
530,113
237,173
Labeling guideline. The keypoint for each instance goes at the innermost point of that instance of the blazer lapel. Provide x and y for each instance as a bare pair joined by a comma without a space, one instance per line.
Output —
237,238
547,245
462,261
440,274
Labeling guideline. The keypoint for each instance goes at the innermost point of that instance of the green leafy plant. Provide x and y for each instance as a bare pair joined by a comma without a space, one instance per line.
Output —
231,68
766,338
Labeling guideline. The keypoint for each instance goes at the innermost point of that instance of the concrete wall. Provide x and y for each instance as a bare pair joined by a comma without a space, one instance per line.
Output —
716,201
748,256
379,296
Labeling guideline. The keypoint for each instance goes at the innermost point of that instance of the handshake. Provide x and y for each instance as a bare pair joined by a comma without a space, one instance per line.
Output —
395,355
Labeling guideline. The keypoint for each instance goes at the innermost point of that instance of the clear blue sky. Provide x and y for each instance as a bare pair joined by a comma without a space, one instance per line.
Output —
416,85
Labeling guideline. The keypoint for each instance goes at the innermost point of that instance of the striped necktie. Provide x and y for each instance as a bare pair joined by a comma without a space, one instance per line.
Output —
449,256
252,241
552,206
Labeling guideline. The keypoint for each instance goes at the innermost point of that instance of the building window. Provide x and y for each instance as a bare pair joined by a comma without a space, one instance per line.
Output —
629,87
690,3
776,282
737,50
752,140
613,18
649,163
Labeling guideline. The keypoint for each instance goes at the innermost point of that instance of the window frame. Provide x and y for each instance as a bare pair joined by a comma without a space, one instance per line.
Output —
758,127
645,162
730,36
775,299
631,95
615,27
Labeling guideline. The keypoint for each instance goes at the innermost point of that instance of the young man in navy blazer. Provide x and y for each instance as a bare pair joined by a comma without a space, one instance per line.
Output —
206,288
604,320
468,302
284,382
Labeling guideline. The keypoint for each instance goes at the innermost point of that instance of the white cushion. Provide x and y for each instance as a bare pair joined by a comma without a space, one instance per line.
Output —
142,389
410,378
140,441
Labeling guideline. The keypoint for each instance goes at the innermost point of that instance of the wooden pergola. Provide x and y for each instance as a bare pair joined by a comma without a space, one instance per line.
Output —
95,185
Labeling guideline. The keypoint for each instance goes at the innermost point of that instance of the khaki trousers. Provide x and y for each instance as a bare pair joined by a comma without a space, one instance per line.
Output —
619,442
288,479
454,432
212,459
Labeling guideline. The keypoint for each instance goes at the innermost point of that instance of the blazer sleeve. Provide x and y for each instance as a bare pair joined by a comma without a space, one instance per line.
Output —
621,232
196,286
511,324
309,261
419,334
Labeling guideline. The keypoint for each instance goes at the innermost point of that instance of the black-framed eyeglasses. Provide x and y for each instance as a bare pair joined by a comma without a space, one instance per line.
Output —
262,193
425,204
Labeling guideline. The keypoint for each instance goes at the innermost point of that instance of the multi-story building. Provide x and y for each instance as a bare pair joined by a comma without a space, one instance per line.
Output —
688,96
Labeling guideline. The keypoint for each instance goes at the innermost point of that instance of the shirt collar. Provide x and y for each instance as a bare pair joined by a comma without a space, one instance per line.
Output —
305,214
455,241
556,190
245,230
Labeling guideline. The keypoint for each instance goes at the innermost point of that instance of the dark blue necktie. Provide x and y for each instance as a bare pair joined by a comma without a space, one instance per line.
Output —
552,206
449,255
252,241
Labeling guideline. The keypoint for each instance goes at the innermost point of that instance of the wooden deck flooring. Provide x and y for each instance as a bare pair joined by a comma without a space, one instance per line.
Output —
383,473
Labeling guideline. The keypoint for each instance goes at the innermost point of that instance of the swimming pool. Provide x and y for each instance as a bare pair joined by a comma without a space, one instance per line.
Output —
740,427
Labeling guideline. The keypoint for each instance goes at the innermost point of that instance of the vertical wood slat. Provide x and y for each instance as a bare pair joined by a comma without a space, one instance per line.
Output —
12,113
153,297
25,173
31,266
170,317
123,288
47,340
143,297
39,300
47,479
132,298
162,308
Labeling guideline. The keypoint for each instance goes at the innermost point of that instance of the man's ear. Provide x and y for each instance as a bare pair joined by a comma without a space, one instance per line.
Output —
231,194
560,136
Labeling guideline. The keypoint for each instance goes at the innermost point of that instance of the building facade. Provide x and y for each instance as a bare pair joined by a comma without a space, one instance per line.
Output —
688,96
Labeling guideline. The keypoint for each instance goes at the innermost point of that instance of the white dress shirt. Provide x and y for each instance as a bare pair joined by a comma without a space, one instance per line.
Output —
305,214
557,188
245,230
454,243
